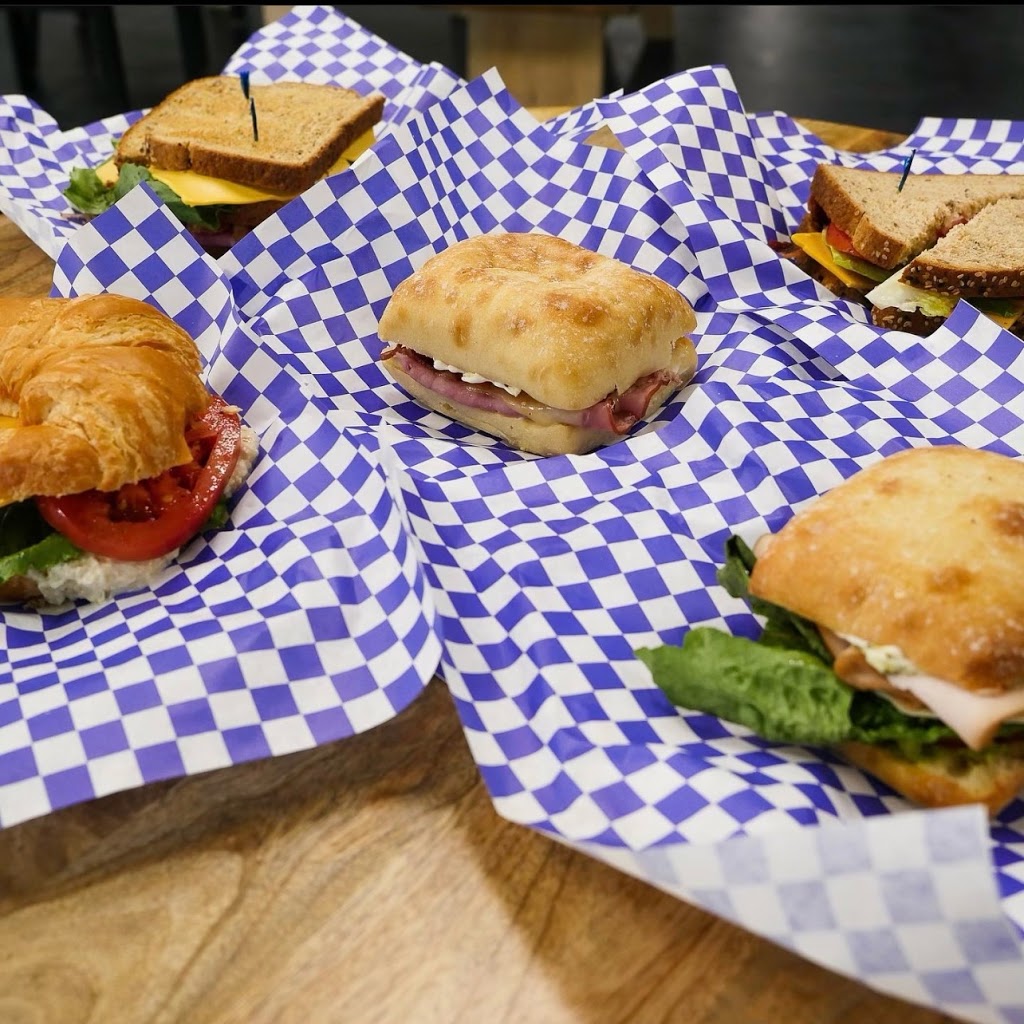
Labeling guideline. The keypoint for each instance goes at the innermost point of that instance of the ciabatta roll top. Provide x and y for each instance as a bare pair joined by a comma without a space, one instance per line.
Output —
923,552
543,316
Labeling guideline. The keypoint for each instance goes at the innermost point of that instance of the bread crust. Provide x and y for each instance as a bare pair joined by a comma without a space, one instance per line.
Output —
941,780
923,550
889,226
983,257
914,322
566,325
205,126
518,432
102,387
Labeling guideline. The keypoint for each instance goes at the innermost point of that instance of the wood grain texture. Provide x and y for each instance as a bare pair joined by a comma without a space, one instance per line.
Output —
365,881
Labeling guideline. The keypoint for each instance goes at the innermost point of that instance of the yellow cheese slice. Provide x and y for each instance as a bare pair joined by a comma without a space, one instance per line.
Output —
1006,322
202,190
815,246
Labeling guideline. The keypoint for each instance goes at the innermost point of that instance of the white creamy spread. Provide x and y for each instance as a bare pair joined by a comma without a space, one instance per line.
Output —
475,378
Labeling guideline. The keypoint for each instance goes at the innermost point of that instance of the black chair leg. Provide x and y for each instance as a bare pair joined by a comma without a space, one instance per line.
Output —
23,23
192,39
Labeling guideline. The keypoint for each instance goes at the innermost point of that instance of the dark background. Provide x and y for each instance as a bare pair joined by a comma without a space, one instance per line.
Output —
884,66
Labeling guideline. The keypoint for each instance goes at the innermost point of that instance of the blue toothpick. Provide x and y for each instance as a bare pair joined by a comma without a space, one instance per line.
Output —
906,170
243,77
252,114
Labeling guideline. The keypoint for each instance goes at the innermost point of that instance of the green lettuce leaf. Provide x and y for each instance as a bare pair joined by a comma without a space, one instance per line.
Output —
859,266
87,194
28,542
782,686
782,628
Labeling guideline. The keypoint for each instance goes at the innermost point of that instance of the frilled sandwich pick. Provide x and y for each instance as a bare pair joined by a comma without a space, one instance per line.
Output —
894,628
113,454
537,341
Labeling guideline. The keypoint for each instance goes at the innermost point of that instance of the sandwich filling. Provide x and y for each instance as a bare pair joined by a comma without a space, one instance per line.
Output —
789,687
94,543
217,211
616,413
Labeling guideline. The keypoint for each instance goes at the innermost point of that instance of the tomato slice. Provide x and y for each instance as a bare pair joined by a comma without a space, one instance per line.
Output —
150,518
840,240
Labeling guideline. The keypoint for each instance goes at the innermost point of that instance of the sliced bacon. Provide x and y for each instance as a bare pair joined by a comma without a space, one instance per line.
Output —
616,413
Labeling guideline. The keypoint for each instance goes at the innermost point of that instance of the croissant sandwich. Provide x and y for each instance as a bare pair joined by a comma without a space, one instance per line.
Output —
113,454
535,340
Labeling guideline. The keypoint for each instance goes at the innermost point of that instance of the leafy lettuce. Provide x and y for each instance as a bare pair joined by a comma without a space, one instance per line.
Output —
87,194
781,686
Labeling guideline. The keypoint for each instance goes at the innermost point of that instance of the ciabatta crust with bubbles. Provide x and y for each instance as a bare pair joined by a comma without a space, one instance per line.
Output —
923,550
566,325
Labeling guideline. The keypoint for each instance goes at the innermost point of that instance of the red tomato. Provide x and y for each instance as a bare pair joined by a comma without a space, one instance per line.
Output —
152,517
840,240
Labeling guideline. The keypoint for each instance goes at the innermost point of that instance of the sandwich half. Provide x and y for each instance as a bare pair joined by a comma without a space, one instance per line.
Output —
532,339
222,169
893,628
113,453
862,235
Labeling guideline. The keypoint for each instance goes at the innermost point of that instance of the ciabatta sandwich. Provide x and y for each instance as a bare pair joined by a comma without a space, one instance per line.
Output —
537,341
894,628
867,240
113,454
223,170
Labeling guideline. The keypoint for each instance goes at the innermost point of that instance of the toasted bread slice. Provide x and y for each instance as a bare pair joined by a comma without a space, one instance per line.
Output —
890,226
206,126
984,257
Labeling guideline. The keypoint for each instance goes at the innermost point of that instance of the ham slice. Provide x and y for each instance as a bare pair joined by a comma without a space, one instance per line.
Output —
615,413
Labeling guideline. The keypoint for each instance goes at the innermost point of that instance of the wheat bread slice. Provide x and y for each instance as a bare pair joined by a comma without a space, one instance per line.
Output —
889,226
984,257
206,126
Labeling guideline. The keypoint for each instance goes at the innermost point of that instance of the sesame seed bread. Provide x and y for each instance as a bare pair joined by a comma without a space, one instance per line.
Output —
205,126
984,257
888,226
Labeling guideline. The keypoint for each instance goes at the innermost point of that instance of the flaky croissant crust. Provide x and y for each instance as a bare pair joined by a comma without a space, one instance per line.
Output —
102,386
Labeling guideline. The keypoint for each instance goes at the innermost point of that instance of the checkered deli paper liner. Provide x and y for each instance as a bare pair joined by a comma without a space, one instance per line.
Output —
548,573
311,44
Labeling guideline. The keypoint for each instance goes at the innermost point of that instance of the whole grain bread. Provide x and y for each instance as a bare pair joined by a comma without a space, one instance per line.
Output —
889,226
984,257
206,126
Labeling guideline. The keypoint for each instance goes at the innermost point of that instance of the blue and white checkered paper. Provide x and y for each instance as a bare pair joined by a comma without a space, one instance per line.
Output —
310,43
305,620
691,134
548,573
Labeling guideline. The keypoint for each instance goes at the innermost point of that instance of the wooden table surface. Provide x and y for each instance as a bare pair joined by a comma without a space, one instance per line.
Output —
369,880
